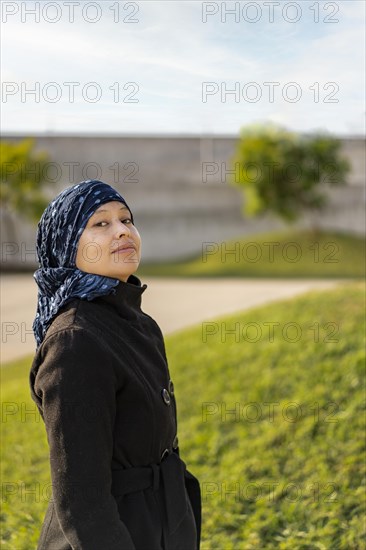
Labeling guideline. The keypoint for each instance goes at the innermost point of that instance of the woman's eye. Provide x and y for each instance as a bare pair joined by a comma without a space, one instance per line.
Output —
123,220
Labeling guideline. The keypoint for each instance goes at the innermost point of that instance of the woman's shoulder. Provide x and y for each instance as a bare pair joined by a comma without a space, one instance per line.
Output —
76,316
71,348
70,337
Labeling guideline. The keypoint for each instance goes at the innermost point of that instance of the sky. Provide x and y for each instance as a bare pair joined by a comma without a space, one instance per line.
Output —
182,67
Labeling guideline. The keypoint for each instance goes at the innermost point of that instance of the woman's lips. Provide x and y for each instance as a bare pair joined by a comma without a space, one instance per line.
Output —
125,248
122,250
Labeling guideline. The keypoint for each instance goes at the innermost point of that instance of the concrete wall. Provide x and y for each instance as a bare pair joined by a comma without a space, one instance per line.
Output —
177,190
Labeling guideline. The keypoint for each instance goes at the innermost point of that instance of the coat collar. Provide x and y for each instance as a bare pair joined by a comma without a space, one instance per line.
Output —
127,298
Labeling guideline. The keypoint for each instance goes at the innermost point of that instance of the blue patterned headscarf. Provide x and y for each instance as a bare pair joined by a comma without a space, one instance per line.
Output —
59,229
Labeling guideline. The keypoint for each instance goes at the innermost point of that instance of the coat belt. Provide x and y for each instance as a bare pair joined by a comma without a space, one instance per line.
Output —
168,475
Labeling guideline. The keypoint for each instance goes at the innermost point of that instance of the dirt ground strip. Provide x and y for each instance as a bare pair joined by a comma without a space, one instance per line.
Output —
173,303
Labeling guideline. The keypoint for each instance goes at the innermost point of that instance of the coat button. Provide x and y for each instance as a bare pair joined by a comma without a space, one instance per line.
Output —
165,396
175,443
171,387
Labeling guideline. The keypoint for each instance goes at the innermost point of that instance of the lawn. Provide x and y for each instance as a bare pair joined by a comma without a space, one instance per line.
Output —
281,254
271,420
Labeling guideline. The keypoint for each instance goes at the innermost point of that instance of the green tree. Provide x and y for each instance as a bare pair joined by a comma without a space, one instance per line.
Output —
22,180
284,172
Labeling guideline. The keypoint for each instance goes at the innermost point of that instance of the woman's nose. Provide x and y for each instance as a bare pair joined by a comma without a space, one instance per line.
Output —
122,229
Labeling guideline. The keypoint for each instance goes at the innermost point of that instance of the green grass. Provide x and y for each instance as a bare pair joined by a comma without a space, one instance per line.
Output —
282,254
294,480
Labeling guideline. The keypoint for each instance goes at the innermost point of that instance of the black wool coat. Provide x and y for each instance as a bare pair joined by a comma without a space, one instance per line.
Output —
101,382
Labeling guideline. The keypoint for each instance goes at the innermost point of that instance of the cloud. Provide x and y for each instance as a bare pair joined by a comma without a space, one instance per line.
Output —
170,52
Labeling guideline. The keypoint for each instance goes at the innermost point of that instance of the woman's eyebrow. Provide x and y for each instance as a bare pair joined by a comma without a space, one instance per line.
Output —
100,211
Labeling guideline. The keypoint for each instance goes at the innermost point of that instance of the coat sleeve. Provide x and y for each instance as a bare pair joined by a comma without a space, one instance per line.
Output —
76,385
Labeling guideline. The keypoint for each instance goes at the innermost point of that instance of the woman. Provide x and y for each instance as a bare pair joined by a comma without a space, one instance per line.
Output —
101,382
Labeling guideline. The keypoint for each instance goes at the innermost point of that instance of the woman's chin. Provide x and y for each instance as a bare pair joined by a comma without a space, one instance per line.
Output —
123,275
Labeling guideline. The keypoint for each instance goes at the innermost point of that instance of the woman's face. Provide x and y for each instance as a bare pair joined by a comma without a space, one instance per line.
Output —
109,228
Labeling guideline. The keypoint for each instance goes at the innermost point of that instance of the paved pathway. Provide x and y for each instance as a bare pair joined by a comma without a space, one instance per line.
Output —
173,303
